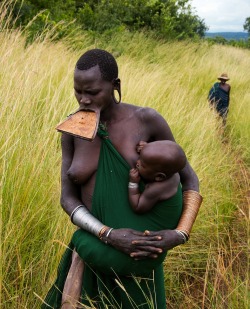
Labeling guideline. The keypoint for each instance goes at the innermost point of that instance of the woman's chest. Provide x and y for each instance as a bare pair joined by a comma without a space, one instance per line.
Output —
86,155
125,137
84,161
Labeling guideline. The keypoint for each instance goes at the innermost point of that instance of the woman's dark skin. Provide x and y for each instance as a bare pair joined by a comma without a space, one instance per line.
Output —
127,125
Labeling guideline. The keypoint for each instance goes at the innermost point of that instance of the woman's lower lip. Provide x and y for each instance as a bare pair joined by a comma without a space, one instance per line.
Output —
89,109
83,107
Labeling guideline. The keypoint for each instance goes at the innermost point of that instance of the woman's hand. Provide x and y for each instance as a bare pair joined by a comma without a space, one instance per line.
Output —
141,245
122,240
162,240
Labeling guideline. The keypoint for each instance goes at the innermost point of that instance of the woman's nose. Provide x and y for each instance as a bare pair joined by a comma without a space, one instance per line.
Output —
85,100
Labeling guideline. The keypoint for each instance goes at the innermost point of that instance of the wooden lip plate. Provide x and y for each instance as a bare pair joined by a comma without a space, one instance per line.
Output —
82,124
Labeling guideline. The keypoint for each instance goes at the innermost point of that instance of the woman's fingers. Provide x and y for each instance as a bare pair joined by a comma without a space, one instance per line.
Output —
153,253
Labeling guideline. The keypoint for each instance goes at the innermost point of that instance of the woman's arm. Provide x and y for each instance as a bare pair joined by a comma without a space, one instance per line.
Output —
189,179
70,195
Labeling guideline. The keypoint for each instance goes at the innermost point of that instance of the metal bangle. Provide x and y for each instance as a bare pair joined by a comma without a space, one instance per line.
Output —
133,185
185,239
186,234
109,231
103,231
82,217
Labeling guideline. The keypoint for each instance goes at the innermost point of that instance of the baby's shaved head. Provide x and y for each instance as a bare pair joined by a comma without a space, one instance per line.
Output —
164,156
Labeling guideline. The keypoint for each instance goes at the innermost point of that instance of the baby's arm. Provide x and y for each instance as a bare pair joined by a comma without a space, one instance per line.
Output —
133,188
155,192
141,202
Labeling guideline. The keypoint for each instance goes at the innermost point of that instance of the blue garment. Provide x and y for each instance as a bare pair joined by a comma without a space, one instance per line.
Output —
219,99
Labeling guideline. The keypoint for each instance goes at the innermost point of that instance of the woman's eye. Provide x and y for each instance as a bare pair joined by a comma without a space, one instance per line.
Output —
88,92
92,92
78,91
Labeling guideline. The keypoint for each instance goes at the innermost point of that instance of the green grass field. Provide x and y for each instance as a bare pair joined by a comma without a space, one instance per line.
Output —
36,93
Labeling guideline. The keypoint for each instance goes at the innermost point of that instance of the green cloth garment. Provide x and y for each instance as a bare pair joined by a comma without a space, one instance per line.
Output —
112,278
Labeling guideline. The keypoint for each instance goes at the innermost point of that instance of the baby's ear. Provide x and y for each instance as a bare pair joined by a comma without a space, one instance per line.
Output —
160,177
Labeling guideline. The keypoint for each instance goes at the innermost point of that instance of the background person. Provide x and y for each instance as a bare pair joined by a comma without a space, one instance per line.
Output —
219,97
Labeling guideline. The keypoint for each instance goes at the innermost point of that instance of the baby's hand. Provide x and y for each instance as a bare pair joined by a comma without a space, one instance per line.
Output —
134,175
140,145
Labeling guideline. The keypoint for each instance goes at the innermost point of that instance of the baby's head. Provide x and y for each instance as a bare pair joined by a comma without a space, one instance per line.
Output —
159,160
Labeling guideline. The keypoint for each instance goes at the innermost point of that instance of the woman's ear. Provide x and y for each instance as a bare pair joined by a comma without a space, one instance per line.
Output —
160,176
117,87
117,83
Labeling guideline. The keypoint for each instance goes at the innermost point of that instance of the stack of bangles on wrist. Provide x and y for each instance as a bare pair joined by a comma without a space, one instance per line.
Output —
192,201
82,217
184,235
133,185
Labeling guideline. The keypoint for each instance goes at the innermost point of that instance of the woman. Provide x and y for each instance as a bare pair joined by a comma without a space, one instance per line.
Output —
94,178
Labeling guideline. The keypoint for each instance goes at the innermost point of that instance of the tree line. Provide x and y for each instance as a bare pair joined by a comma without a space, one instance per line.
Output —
166,19
169,19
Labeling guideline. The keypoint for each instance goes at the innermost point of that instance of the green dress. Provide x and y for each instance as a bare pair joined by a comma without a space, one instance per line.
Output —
111,278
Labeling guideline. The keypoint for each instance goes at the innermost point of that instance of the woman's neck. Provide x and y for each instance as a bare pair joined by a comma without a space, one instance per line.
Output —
111,114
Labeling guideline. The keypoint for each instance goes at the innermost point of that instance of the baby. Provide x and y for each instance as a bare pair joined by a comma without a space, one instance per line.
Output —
158,167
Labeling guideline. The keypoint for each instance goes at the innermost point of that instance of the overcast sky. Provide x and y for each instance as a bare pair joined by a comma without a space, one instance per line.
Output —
223,15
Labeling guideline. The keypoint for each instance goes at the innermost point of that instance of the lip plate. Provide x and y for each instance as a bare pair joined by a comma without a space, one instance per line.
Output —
83,124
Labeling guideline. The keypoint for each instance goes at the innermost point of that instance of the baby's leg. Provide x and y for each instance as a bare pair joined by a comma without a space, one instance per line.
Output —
73,284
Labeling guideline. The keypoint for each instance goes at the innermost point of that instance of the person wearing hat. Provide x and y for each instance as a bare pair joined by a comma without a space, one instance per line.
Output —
219,96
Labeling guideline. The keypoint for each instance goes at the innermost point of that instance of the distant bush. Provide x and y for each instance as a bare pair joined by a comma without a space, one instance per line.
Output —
236,43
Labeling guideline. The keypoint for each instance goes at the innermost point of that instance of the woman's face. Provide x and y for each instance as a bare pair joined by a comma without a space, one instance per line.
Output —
91,90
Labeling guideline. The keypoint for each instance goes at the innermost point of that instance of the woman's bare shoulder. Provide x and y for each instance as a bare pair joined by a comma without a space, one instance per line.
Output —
154,124
142,111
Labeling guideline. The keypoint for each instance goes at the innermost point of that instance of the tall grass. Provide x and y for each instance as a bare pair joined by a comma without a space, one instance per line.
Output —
36,93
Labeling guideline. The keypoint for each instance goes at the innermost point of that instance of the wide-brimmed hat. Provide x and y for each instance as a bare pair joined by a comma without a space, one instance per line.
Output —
224,76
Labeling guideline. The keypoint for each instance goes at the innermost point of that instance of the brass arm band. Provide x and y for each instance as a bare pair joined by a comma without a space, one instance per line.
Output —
191,204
